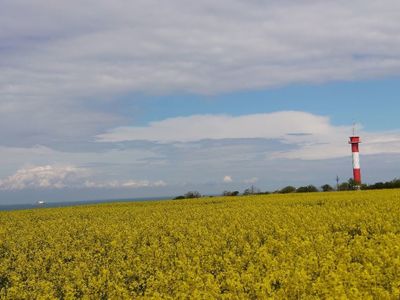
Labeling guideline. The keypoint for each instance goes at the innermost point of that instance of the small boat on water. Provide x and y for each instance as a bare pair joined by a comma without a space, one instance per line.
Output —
40,202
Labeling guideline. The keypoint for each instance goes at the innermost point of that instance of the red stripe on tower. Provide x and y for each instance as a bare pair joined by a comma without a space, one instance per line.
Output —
355,142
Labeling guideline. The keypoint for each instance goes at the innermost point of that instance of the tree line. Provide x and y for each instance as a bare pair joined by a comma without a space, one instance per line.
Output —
344,186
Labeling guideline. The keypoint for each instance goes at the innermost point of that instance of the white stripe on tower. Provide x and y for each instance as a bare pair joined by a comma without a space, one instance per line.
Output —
355,141
356,160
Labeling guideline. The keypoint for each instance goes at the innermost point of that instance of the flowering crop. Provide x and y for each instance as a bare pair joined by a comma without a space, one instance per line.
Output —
322,245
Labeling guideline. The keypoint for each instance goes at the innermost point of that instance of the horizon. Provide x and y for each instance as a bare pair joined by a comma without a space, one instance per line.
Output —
148,98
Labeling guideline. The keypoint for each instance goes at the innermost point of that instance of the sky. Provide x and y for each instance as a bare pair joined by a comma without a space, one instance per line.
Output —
131,99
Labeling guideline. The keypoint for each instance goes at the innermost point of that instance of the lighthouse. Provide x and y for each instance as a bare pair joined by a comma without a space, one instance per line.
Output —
355,142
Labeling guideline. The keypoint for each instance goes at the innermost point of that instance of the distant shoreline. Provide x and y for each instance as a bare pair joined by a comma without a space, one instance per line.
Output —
23,206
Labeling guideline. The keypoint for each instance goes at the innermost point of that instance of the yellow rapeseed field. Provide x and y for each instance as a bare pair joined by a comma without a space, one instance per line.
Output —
320,245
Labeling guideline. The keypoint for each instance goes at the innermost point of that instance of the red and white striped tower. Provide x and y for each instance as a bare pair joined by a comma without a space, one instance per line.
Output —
355,141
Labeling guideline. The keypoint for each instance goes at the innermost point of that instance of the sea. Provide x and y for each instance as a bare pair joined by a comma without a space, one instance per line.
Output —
74,203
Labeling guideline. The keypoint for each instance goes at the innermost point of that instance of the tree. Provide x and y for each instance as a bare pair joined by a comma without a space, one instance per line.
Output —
251,191
230,193
288,189
192,194
352,184
395,183
344,186
326,188
307,189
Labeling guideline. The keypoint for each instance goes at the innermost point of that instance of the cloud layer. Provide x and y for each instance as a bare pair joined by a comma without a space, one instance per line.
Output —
71,74
205,47
291,125
44,177
73,60
310,136
197,149
60,177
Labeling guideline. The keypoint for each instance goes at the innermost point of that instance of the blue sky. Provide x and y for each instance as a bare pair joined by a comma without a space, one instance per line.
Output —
345,102
120,99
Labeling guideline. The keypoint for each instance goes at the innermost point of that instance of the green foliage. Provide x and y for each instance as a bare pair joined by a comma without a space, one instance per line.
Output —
394,184
230,193
189,195
297,246
347,186
192,194
327,188
307,189
288,189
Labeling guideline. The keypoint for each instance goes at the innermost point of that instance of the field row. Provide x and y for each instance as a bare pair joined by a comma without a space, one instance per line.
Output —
283,246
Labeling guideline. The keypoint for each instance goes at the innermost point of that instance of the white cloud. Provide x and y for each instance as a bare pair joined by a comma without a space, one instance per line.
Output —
227,179
42,155
334,145
96,49
311,137
115,184
73,60
154,45
251,180
198,127
66,176
44,177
